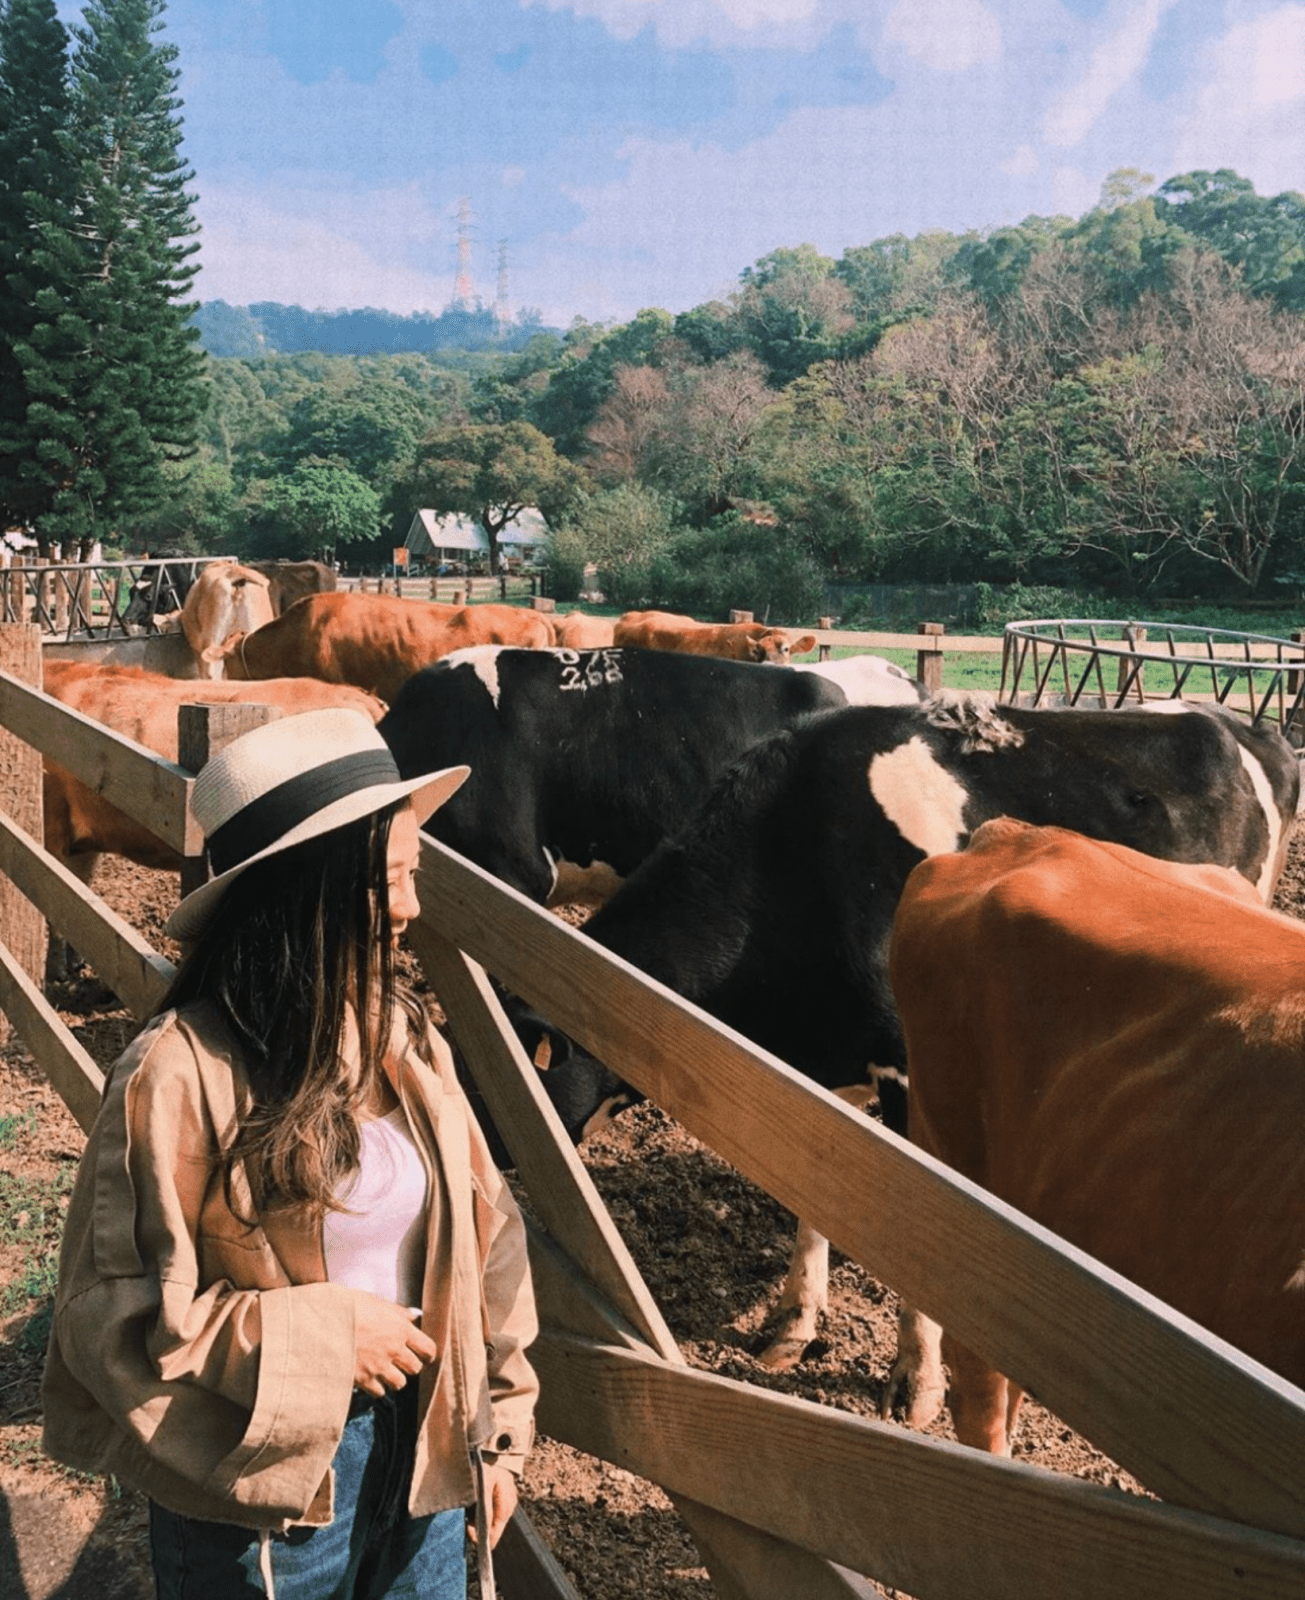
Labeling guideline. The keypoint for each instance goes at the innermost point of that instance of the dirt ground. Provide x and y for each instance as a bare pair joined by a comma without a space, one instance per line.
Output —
711,1246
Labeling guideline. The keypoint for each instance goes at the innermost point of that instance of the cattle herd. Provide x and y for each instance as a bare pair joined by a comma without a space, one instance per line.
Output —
1037,939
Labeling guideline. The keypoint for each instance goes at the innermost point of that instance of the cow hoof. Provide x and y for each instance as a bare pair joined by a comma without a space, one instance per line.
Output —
782,1355
910,1399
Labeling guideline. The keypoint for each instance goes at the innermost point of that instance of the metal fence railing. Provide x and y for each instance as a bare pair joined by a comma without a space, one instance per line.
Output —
1075,661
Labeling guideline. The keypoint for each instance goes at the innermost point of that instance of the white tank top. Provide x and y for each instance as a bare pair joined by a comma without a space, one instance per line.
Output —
379,1242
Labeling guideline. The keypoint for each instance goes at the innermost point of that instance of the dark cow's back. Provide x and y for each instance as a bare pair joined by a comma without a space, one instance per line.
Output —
289,581
584,755
815,830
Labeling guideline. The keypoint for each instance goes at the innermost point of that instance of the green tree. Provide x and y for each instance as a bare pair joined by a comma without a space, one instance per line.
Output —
793,310
621,530
112,365
321,509
1264,237
492,472
566,406
34,110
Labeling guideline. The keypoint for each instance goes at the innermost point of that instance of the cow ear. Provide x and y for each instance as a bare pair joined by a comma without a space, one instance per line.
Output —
219,652
799,647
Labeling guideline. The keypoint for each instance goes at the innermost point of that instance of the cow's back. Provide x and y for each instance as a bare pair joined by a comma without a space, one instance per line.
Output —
815,831
590,755
1121,1056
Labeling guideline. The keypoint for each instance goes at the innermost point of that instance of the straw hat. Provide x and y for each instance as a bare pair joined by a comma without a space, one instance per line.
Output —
290,780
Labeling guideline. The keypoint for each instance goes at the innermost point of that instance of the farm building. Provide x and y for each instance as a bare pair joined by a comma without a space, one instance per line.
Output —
455,538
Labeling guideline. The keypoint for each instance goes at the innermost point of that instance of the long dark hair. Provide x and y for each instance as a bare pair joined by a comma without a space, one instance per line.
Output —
295,944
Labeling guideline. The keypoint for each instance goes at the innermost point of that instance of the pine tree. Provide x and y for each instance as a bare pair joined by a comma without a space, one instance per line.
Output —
112,365
34,108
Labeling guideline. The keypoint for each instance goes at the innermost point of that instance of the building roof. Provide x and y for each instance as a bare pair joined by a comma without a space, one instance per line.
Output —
428,532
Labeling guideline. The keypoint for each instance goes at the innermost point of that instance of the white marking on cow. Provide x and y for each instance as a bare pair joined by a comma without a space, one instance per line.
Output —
866,680
607,1112
552,863
890,1075
922,800
588,669
1272,821
483,661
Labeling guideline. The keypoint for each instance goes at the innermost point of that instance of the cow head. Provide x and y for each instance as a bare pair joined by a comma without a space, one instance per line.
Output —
774,645
585,1094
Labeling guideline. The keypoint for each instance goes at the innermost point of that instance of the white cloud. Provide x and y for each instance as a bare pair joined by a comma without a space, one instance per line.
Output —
1021,163
681,23
1250,113
754,13
1073,192
688,216
1111,66
314,248
947,35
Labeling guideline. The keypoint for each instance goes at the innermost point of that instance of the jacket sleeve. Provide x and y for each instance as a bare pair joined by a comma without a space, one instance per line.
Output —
507,1294
241,1385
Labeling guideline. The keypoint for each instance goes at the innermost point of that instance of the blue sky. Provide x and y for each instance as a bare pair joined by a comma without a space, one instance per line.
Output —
640,153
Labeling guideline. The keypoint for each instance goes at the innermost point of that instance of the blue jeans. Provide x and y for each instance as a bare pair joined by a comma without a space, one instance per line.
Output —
372,1550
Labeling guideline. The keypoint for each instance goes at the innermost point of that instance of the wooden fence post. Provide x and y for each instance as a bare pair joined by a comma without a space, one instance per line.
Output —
539,602
459,597
16,592
22,927
825,624
203,730
740,616
929,663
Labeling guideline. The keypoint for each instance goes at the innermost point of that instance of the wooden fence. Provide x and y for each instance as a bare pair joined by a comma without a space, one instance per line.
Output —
784,1498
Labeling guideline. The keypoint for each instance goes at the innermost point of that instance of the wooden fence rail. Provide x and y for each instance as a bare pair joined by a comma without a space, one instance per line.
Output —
784,1498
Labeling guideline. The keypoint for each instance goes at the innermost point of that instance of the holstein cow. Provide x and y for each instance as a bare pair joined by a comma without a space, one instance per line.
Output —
375,642
225,598
79,823
583,761
739,641
815,831
868,680
1121,1056
160,591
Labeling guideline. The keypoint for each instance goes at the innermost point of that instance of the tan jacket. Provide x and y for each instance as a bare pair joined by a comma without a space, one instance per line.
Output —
210,1364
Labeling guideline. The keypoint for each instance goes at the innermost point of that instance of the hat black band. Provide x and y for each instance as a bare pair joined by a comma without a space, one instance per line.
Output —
265,820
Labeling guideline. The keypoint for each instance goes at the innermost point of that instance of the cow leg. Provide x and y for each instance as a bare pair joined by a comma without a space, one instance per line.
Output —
61,960
804,1296
806,1289
917,1383
983,1403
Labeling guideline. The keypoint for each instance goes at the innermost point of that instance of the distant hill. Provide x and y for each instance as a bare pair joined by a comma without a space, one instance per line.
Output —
268,328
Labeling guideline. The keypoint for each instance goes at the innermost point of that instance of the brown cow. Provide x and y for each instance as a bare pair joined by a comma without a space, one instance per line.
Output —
288,581
578,631
80,824
738,641
225,598
1116,1046
375,642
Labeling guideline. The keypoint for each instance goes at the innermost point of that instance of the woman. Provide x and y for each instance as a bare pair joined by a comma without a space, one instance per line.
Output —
293,1295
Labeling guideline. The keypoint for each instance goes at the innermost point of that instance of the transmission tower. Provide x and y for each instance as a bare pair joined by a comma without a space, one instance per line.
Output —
464,290
501,291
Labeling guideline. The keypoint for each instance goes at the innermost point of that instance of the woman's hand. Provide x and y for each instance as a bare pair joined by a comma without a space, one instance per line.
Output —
500,1502
389,1347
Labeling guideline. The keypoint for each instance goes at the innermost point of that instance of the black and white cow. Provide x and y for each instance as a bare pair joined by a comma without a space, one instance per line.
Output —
817,829
584,760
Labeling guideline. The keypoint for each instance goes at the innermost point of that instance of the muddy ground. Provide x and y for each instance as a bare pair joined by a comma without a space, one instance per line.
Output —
711,1246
